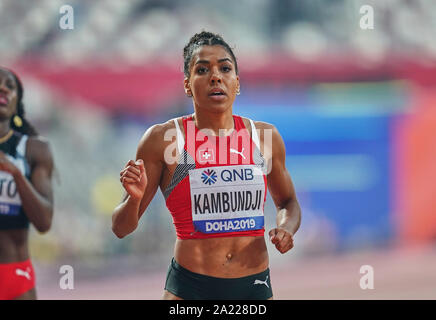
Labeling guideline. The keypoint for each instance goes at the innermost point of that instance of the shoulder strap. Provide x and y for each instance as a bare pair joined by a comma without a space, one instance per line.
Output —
21,147
180,138
254,135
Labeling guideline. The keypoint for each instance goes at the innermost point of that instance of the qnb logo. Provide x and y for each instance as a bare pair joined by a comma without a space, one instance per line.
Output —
208,176
245,174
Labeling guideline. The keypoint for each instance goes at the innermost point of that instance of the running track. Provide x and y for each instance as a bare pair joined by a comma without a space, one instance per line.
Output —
398,274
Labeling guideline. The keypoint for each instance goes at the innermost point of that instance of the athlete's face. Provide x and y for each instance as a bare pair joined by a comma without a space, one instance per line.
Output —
8,94
213,81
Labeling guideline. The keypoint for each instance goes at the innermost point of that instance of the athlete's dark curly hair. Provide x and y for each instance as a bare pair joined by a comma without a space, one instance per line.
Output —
26,127
204,38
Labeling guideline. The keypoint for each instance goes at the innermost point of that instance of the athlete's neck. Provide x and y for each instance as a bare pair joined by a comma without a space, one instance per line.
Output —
5,127
219,123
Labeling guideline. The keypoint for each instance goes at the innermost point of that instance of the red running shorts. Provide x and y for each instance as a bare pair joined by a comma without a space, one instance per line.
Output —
16,278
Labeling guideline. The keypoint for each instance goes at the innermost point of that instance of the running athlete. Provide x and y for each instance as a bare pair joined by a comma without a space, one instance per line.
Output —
216,189
25,190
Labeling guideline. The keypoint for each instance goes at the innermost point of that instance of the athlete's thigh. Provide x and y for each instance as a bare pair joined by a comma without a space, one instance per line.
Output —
169,296
29,295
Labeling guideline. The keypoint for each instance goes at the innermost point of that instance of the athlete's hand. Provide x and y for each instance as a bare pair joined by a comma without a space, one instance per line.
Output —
282,239
6,165
134,179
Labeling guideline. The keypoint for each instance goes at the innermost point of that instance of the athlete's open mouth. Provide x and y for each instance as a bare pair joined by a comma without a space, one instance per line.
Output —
217,92
4,99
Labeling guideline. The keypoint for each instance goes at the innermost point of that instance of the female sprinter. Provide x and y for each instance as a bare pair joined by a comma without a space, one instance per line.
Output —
216,189
25,190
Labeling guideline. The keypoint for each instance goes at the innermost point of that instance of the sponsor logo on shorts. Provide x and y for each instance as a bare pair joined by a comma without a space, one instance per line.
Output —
262,282
23,273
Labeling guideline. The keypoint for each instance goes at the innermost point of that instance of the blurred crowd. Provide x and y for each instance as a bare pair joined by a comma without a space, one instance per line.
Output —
141,30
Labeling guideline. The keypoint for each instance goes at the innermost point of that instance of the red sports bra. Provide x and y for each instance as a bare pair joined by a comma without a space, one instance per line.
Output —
219,186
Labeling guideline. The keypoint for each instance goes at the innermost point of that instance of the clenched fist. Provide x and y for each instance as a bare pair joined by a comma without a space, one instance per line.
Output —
282,239
134,179
7,165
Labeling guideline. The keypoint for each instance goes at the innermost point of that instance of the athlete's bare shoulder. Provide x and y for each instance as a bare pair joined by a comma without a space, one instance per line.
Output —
268,135
156,139
263,128
38,142
266,130
156,133
38,150
264,125
257,124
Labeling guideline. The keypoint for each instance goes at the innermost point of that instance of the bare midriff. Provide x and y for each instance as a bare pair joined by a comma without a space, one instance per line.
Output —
13,245
223,257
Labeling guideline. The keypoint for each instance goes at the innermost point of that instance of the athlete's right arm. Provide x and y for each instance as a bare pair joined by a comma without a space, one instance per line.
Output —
140,180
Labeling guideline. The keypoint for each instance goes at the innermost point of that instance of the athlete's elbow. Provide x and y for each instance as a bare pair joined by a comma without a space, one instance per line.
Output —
121,232
44,226
118,234
117,231
124,222
44,222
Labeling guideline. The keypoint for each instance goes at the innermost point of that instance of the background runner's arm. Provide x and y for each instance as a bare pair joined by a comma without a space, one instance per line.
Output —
283,193
36,195
139,193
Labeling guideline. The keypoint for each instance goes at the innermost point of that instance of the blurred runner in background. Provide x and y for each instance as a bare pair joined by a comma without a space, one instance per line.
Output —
26,196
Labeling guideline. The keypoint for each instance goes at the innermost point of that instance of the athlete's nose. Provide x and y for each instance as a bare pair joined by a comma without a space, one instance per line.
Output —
215,76
3,87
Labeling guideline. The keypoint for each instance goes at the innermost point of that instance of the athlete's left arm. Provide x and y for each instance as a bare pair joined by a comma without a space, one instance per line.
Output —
283,193
36,195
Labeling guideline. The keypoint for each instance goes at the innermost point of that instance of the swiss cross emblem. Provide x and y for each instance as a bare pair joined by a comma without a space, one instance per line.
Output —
206,155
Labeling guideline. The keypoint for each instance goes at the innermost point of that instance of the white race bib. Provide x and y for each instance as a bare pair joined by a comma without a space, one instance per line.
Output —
227,198
10,202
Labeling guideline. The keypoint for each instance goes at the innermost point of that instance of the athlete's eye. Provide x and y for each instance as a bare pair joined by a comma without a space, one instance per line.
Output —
226,68
201,70
10,85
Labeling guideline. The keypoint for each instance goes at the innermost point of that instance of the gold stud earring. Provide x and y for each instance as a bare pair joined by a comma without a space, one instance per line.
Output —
18,121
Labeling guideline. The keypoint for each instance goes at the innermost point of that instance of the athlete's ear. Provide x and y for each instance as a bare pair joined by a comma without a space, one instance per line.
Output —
187,87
